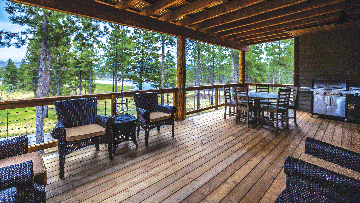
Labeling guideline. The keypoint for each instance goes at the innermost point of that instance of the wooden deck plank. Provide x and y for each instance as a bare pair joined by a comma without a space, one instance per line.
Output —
214,183
245,184
210,159
278,184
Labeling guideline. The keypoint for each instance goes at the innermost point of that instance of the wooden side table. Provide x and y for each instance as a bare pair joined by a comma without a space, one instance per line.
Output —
124,129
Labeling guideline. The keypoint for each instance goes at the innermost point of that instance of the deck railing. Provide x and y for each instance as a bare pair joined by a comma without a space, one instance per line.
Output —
19,116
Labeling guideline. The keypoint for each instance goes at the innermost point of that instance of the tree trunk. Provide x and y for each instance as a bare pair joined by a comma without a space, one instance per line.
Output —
233,71
273,71
198,75
80,87
115,80
212,82
47,81
279,65
42,83
163,66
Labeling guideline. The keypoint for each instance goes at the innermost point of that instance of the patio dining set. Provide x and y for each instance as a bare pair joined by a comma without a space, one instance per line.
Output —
23,175
252,105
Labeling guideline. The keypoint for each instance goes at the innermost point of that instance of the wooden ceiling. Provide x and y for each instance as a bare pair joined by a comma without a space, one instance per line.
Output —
233,24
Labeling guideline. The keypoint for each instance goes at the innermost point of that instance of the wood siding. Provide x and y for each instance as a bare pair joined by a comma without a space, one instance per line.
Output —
328,55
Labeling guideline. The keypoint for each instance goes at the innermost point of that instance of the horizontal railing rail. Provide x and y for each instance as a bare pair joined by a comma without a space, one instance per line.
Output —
212,99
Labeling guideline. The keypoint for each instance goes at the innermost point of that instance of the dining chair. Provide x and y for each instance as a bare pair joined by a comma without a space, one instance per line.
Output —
263,88
293,100
244,106
280,109
229,103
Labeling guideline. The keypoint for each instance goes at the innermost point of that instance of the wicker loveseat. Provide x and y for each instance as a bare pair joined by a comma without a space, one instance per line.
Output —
23,175
307,182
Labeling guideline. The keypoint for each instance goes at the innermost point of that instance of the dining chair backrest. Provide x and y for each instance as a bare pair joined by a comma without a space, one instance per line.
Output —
227,94
283,98
262,88
293,95
242,95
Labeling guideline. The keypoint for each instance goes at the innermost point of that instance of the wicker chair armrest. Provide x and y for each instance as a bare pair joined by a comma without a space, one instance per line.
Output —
166,109
104,121
143,113
331,153
19,175
59,131
8,195
349,187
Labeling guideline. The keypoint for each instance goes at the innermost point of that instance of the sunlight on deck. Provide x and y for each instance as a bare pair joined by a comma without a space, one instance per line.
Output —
209,160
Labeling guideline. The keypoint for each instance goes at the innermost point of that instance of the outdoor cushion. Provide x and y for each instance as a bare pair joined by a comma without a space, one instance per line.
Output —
83,132
158,116
40,174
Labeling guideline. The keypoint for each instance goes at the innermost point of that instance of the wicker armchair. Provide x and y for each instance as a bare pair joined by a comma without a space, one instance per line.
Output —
79,126
23,175
150,114
306,182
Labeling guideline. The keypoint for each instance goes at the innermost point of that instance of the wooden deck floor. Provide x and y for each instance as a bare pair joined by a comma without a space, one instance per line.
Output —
210,160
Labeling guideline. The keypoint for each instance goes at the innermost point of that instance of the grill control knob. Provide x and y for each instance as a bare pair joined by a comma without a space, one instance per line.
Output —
341,94
324,93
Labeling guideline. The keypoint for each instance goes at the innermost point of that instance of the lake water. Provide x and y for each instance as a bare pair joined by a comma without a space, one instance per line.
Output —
146,85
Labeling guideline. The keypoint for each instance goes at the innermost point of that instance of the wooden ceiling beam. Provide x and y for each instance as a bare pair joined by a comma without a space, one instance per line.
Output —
247,12
285,19
222,9
272,39
109,13
158,6
286,11
124,4
309,22
188,9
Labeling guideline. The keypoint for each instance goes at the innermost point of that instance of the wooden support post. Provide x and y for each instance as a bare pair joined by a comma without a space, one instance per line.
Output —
296,61
216,98
181,79
242,67
113,105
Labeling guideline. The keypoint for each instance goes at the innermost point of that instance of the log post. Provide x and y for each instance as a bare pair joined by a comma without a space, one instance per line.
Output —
113,105
216,98
242,67
181,79
296,62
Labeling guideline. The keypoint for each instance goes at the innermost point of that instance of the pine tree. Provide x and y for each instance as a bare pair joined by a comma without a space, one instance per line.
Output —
117,52
166,40
145,66
10,75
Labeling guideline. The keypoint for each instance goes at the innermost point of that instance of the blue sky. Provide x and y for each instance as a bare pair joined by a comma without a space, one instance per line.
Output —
15,54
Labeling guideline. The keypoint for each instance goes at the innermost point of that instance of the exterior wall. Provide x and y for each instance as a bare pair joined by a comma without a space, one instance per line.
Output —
328,55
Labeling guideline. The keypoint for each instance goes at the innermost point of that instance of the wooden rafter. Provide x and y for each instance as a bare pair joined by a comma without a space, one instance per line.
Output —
298,24
286,11
271,39
188,9
256,9
124,4
158,6
112,14
285,19
222,9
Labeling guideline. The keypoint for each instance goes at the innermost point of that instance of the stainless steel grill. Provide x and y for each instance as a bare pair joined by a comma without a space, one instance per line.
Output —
329,98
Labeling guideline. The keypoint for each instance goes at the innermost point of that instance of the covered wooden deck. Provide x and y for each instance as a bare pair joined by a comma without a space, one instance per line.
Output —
210,160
